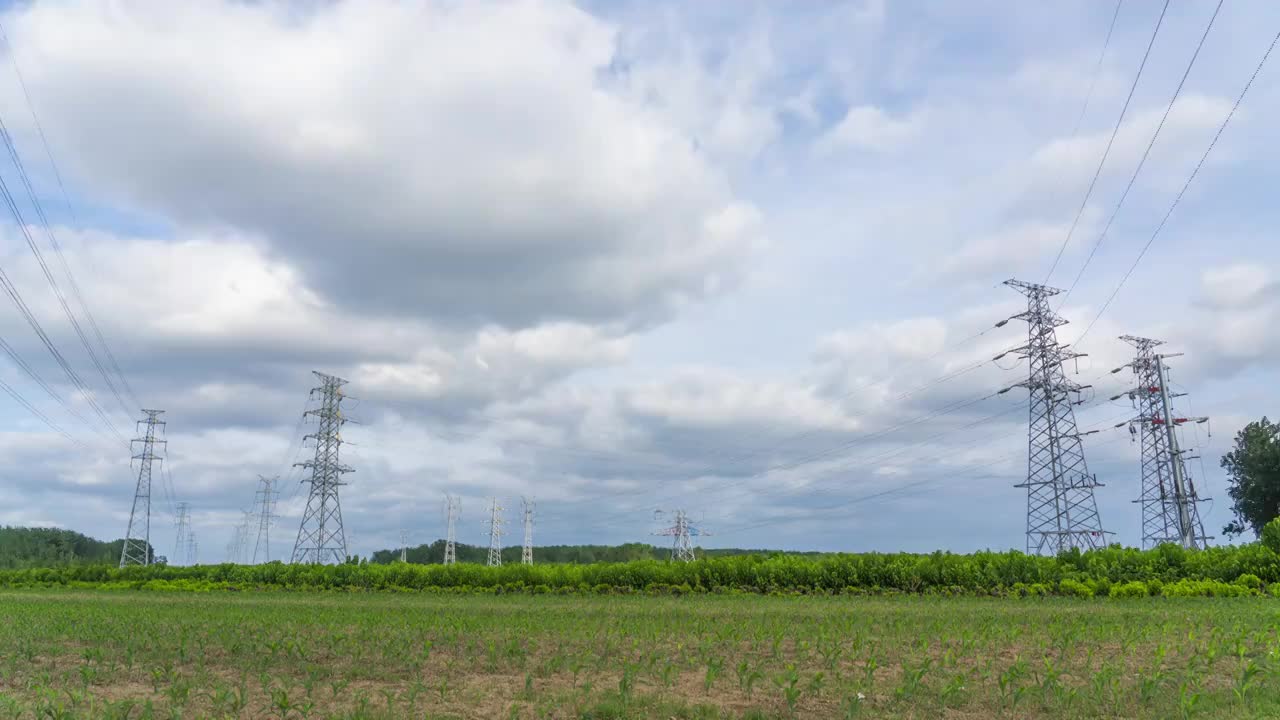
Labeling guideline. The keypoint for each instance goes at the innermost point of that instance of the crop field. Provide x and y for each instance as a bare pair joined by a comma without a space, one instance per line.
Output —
67,653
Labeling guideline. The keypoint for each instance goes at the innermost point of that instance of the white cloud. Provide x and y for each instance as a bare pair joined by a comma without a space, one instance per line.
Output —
1016,248
406,157
1074,160
870,128
1236,285
520,229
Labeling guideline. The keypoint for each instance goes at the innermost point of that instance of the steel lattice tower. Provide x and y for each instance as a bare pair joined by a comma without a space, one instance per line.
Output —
1170,505
192,548
404,546
137,539
320,535
184,528
496,522
453,507
265,506
238,546
681,532
1062,512
526,551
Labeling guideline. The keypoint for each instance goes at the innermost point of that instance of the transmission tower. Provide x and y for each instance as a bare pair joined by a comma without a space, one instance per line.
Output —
320,536
453,508
404,545
137,539
526,552
265,505
680,533
495,533
184,529
238,547
1062,512
192,554
1170,505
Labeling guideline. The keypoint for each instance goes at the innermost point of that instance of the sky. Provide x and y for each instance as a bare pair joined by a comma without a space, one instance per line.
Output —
738,259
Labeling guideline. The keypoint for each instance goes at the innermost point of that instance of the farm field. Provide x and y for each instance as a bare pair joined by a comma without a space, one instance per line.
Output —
128,654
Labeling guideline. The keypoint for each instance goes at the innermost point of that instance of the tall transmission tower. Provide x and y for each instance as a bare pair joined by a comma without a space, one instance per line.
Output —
1062,512
184,529
320,536
137,539
192,549
496,522
681,532
452,509
404,545
1170,505
265,509
526,551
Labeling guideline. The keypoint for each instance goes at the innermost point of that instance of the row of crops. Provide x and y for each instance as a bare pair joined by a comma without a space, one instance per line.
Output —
1165,570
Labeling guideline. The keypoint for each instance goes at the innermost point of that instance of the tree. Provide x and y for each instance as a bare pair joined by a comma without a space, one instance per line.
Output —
1253,470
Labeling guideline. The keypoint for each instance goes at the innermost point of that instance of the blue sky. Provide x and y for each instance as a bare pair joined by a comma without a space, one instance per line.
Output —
628,256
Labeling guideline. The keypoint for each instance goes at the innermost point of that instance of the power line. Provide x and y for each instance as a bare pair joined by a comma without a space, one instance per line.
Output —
1145,154
1178,198
1110,141
17,396
1097,69
11,290
44,266
66,268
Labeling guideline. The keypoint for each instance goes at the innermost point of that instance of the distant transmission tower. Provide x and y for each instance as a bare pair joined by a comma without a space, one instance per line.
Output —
526,552
320,536
238,547
453,508
1062,512
192,549
137,539
184,529
681,532
404,545
265,509
1170,505
495,533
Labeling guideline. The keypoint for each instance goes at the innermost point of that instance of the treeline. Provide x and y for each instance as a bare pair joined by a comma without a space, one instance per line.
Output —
554,554
1114,571
26,547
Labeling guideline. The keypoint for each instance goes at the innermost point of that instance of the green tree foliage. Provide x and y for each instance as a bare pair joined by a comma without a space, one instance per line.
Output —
1253,470
22,547
1271,535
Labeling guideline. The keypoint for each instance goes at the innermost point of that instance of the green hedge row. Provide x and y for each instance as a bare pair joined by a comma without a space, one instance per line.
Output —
1095,572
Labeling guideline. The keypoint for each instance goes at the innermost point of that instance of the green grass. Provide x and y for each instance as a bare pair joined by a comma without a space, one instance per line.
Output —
276,654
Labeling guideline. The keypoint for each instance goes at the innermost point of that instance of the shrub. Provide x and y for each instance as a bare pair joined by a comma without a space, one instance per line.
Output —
1074,588
1133,589
1101,587
1253,582
1205,588
1105,572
